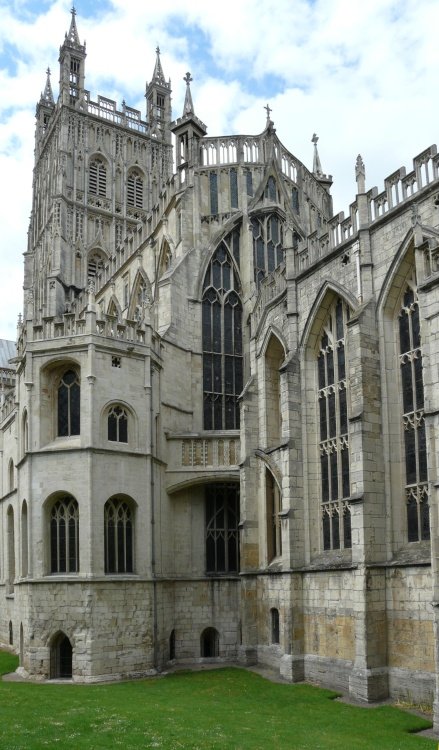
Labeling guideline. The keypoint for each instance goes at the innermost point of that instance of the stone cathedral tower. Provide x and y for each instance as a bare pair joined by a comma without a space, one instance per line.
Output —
221,442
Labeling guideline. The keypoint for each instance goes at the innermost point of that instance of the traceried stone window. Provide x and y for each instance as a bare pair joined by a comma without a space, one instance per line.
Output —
135,189
267,245
333,429
410,360
64,536
118,424
222,538
97,177
95,264
222,338
273,508
119,536
69,404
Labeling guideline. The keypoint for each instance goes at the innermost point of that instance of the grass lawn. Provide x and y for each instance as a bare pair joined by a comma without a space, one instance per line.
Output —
225,708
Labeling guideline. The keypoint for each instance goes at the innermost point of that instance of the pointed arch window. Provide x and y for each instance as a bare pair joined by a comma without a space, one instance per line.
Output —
415,448
135,189
95,264
273,508
222,339
118,424
267,245
69,404
334,437
97,178
64,536
222,538
119,537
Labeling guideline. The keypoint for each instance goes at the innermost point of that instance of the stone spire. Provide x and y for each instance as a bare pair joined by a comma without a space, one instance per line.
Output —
47,95
317,166
73,36
188,108
157,76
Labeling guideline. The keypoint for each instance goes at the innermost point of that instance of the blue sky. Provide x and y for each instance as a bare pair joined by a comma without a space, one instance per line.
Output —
361,75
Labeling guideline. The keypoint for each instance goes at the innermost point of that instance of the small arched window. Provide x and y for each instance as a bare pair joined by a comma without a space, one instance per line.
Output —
275,632
64,536
11,475
135,189
69,404
97,177
118,424
119,536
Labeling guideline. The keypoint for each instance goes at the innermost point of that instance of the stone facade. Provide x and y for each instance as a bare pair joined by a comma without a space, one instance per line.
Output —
221,443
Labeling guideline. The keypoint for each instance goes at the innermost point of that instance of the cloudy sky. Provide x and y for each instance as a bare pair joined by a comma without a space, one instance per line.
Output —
362,75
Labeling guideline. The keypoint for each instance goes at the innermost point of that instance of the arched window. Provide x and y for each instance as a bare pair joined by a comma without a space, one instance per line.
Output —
270,190
334,438
274,507
11,549
410,361
24,433
274,356
118,424
209,643
267,245
119,536
222,342
222,518
64,536
135,189
97,177
95,263
69,404
275,633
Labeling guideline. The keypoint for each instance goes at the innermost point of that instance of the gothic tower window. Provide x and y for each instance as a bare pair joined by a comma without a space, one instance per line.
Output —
97,178
118,424
119,537
64,536
95,264
410,360
267,245
222,341
69,404
135,189
334,438
222,517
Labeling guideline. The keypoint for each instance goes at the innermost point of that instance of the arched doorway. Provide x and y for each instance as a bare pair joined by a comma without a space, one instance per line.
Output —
61,658
209,643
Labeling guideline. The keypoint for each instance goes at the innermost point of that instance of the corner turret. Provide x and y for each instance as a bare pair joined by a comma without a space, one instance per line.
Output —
188,130
158,103
324,179
45,108
72,63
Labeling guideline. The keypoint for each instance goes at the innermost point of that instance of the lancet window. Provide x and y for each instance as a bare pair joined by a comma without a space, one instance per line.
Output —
333,428
135,189
413,424
64,536
222,338
69,404
119,537
222,538
273,508
267,245
118,424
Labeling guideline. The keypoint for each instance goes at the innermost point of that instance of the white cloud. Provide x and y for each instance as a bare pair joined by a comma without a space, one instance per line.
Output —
361,75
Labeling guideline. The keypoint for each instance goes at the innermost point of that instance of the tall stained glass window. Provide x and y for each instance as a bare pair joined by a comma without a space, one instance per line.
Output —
222,538
267,245
410,360
333,428
222,338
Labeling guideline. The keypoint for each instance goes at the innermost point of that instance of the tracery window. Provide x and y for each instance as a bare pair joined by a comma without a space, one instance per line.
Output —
97,177
410,359
119,537
267,245
222,517
95,264
135,189
273,508
69,404
118,424
64,536
222,338
334,438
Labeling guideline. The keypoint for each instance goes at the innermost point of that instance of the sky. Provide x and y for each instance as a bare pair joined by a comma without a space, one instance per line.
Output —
362,75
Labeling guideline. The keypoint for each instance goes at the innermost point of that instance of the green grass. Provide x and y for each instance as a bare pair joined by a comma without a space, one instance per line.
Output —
228,708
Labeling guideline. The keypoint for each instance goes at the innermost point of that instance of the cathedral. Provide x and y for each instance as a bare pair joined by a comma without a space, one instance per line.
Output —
219,422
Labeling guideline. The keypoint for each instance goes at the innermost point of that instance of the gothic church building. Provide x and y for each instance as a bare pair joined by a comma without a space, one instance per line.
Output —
219,429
